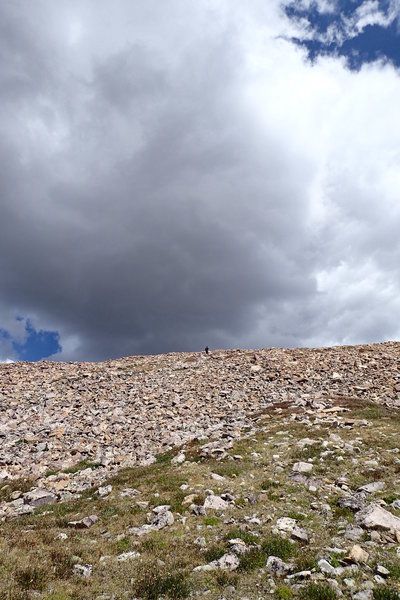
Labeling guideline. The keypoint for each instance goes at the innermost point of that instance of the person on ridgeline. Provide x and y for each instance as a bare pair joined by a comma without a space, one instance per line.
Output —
206,349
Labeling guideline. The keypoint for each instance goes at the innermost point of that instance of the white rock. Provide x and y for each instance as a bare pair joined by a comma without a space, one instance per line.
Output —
84,523
376,517
277,566
371,488
83,570
215,503
127,556
162,519
300,534
364,595
237,546
104,491
326,567
39,497
286,524
217,477
227,562
179,459
302,467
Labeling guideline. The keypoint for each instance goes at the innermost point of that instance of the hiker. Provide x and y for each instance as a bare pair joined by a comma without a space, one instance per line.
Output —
206,349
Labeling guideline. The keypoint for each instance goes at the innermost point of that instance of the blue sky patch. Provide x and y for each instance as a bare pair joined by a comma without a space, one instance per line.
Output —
38,344
355,30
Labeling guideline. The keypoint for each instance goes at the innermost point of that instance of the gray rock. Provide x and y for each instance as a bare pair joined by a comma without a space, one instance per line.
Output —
200,541
237,546
354,502
104,491
371,488
84,523
215,503
217,477
286,524
300,575
127,556
179,459
326,567
227,562
197,510
353,533
278,567
39,497
364,595
299,534
376,517
302,467
162,517
83,570
383,571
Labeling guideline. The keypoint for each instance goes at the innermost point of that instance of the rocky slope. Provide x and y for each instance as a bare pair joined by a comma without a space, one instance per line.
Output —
245,474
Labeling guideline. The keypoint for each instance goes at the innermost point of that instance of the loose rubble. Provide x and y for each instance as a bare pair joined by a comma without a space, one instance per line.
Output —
246,474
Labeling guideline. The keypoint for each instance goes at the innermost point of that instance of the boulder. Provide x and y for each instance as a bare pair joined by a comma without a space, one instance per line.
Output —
376,517
39,497
278,567
215,503
302,467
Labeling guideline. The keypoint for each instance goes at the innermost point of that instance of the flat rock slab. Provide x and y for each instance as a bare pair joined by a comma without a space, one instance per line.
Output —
302,467
84,523
371,488
38,497
215,503
376,517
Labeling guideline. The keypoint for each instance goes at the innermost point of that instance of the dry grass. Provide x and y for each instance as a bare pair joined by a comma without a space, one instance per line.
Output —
36,563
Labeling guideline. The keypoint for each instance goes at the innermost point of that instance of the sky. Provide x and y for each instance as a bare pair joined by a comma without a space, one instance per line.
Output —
186,173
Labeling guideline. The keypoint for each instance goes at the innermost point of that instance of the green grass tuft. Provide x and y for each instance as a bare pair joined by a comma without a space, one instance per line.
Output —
154,585
278,546
386,593
317,591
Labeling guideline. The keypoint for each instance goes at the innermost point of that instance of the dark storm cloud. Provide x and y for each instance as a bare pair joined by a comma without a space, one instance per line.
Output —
148,203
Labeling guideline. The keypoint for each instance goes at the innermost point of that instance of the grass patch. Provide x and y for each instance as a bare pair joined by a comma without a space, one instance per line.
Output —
372,412
312,451
81,466
228,469
268,484
224,578
31,578
317,591
21,485
165,458
123,545
296,516
254,559
62,564
306,561
283,593
386,593
394,569
247,537
154,584
277,546
211,521
214,553
154,543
